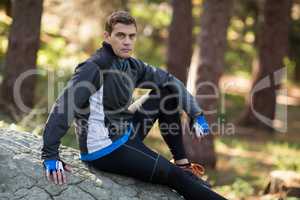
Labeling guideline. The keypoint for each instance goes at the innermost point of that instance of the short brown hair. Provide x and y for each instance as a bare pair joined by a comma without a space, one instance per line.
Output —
122,17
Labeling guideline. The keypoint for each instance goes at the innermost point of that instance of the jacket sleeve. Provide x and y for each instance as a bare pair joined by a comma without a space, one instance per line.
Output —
148,76
84,82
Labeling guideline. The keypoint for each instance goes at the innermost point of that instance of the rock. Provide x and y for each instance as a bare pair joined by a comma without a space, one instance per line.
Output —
22,176
284,182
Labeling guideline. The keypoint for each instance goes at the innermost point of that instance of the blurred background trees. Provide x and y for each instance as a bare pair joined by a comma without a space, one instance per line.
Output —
232,44
208,69
273,47
180,40
21,55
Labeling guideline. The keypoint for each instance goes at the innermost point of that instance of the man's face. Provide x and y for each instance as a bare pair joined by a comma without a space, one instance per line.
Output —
122,39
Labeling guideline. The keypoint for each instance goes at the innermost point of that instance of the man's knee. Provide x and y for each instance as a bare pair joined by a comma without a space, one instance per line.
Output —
168,99
162,91
162,171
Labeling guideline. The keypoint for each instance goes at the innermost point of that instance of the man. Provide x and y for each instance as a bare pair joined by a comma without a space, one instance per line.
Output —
111,127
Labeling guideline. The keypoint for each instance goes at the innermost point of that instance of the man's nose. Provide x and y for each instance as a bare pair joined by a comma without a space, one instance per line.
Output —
127,41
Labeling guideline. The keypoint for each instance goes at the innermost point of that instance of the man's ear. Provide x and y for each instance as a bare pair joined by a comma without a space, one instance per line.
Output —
106,36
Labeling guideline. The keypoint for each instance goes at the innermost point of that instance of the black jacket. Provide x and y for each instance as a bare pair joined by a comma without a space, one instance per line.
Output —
98,97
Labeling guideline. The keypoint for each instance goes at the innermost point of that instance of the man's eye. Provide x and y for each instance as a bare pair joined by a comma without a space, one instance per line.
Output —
120,35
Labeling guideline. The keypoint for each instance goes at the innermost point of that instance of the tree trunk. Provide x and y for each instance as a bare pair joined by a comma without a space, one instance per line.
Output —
273,46
24,40
180,39
208,69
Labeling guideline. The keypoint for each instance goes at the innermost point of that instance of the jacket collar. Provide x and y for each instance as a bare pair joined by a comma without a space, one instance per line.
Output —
108,48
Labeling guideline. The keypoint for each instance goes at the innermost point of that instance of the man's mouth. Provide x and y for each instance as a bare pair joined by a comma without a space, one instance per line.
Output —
126,50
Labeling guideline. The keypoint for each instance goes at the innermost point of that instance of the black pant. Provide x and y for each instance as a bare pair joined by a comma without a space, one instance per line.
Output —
136,160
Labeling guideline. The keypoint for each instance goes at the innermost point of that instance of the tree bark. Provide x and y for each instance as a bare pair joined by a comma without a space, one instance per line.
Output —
24,40
273,46
208,69
180,39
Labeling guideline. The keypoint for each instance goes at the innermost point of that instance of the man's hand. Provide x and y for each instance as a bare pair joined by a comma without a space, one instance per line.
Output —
200,126
55,171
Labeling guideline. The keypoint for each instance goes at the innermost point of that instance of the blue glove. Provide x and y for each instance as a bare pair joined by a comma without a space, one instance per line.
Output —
55,171
53,166
200,126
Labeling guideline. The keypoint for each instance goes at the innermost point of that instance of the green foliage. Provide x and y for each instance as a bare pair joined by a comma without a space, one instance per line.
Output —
70,139
242,34
153,20
4,4
284,162
4,27
294,42
239,189
155,1
241,50
50,52
290,65
149,51
286,155
234,104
